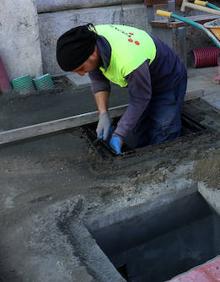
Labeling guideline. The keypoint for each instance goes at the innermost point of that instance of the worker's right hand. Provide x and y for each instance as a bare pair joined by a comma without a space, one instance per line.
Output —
104,126
116,143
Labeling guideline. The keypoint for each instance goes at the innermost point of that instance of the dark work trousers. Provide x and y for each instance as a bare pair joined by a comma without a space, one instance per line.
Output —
161,121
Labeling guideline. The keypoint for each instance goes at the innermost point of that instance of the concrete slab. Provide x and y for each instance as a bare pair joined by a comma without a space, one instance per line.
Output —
64,101
203,78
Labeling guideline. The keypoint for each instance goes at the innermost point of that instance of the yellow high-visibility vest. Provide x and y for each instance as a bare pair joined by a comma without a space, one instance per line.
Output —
130,47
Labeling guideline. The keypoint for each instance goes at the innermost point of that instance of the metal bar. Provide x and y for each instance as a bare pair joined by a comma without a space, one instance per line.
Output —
198,8
45,128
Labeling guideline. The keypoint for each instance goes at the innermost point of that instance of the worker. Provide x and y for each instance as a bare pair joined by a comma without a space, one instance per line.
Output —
155,78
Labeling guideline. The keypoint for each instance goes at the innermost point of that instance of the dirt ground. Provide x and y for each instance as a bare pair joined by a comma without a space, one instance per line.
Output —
48,181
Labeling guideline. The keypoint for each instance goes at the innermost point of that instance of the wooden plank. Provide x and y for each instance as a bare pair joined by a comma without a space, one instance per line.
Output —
150,3
49,127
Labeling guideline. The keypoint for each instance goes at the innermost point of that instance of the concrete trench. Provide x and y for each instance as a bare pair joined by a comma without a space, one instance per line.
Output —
72,215
157,242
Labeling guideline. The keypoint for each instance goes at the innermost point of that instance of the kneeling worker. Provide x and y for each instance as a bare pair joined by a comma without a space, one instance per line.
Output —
155,77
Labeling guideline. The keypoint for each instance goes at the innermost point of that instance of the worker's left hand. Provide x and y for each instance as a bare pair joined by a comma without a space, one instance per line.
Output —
116,143
103,129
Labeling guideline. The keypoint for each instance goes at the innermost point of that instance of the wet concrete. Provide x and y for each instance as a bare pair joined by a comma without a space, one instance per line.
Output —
54,189
63,101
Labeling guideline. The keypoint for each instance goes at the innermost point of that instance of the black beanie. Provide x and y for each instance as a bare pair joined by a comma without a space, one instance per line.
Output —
75,46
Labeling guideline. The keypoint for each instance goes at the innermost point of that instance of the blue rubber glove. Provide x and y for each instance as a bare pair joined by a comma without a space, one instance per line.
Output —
116,144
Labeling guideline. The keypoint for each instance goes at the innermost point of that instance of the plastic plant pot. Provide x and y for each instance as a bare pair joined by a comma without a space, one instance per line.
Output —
44,82
23,84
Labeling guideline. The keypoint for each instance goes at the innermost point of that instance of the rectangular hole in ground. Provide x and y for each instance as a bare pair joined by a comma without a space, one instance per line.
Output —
157,245
189,126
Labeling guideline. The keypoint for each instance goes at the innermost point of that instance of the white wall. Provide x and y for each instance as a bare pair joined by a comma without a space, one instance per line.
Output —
28,38
19,38
52,25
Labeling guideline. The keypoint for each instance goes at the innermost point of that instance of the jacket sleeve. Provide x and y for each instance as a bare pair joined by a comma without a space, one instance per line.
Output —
139,88
99,82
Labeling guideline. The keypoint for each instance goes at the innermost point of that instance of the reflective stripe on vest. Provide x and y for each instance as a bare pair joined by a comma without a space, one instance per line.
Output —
130,47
